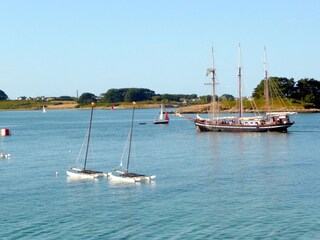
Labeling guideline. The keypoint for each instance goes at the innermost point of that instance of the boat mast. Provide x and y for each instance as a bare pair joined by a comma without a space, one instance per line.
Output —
93,104
213,71
266,83
239,77
129,152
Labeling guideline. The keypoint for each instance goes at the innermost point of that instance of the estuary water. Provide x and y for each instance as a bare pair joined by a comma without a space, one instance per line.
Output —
208,185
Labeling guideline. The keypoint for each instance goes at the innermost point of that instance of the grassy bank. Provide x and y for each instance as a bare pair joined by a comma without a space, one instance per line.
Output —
35,105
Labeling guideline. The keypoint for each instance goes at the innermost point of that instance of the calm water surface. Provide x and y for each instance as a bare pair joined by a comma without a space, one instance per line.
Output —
208,185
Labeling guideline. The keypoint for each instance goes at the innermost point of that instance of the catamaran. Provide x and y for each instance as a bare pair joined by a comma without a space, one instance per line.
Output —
163,116
83,172
271,121
122,174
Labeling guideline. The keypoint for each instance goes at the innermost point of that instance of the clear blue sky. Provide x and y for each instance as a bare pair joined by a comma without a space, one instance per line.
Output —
55,48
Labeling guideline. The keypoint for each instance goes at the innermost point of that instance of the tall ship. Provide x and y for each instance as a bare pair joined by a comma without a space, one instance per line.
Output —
268,122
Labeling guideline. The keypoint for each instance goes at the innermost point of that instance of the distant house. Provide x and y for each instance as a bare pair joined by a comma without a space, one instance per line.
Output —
22,98
185,102
41,98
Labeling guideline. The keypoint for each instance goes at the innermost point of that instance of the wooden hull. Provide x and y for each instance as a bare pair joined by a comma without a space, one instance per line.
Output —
207,127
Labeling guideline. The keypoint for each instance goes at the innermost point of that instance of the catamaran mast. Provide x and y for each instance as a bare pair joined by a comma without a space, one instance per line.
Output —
93,104
129,152
239,77
266,84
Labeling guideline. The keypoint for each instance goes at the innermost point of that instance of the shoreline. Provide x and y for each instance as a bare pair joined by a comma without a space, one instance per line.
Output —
191,109
205,108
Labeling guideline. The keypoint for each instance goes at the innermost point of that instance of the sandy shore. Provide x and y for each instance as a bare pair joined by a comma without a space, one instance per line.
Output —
63,106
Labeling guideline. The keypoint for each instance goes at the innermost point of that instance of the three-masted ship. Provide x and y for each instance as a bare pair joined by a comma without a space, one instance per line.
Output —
270,121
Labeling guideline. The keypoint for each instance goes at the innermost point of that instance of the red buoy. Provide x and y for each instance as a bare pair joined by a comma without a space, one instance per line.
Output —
4,132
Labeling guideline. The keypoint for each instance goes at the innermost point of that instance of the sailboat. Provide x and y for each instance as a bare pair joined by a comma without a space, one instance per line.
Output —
163,116
122,174
43,110
83,172
271,121
5,155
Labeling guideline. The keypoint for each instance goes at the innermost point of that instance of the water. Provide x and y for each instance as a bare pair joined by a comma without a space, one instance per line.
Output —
208,185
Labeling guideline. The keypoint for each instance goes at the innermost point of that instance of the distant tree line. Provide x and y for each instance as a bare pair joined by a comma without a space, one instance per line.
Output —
140,94
305,90
127,95
174,97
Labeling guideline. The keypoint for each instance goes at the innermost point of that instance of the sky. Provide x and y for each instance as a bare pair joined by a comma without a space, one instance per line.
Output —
56,48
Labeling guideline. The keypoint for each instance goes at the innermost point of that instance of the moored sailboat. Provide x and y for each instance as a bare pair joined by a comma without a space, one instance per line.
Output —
122,174
271,121
163,116
83,172
5,155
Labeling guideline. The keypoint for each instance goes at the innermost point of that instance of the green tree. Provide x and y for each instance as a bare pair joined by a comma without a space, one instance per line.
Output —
278,86
87,98
226,97
258,92
3,96
115,95
127,95
156,98
282,86
308,90
205,99
138,94
170,97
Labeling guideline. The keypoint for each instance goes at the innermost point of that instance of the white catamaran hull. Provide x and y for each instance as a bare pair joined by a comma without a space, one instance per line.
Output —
81,175
85,175
141,177
121,179
147,178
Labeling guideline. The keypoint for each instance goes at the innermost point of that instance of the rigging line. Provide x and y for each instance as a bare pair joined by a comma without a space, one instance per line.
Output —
125,148
282,94
277,89
225,101
252,102
277,92
254,107
84,141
